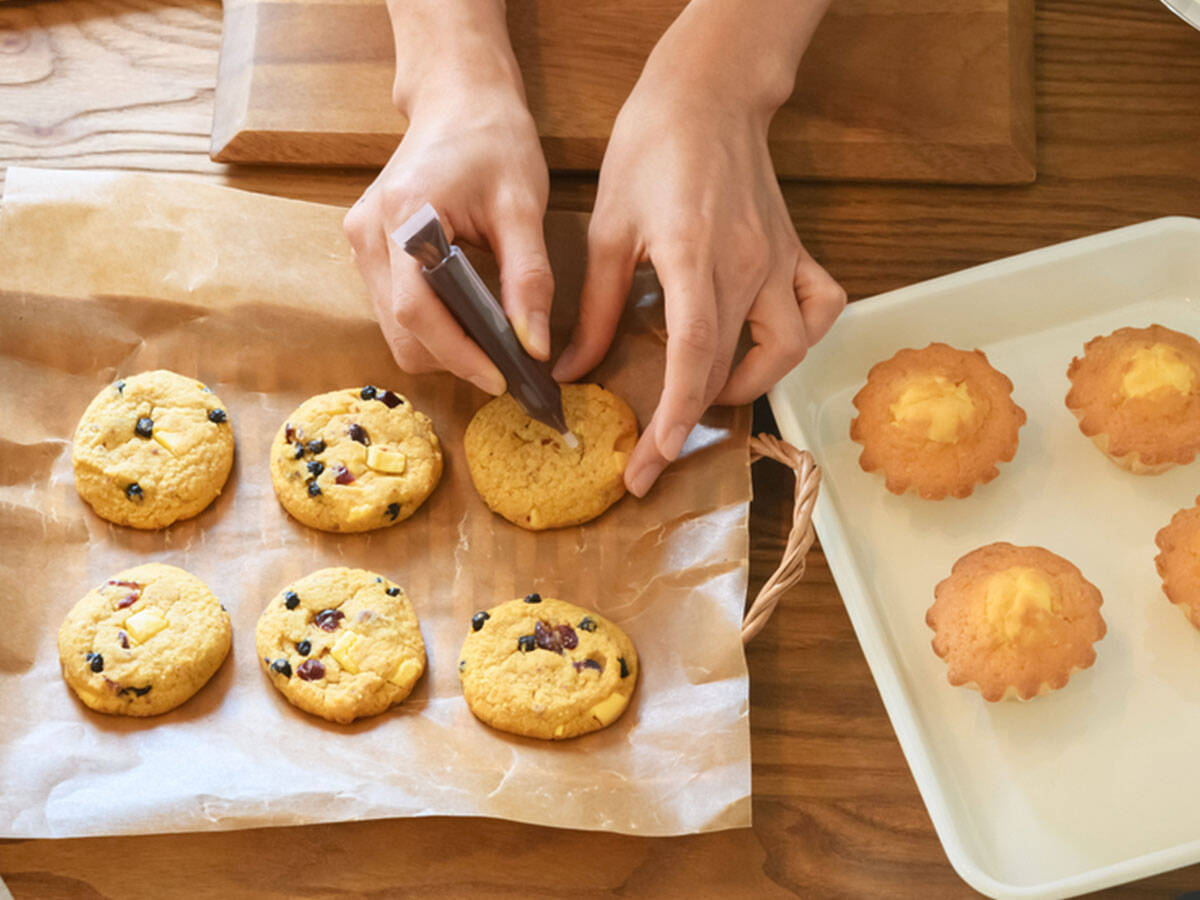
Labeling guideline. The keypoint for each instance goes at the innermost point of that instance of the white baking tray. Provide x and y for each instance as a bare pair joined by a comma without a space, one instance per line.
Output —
1095,784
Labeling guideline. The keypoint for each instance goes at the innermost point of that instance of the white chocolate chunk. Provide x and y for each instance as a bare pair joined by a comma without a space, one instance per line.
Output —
168,440
407,673
145,624
342,650
610,708
390,462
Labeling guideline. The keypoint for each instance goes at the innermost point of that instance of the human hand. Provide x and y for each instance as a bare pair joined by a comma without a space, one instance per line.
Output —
474,154
688,184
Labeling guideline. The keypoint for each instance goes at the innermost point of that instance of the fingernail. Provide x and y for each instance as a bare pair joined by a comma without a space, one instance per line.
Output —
538,336
644,479
492,383
674,443
564,363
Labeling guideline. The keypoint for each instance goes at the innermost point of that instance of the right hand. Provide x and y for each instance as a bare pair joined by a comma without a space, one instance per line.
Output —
476,158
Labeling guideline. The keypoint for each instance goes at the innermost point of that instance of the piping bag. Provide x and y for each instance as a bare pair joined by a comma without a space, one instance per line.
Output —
458,285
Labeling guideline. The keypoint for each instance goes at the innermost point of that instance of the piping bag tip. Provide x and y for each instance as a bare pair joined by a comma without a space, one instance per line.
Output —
570,440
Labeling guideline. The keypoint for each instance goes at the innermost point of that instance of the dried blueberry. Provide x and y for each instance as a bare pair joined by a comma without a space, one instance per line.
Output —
533,598
315,467
587,623
304,648
393,592
96,661
392,511
144,427
329,619
462,665
139,691
217,416
587,664
624,667
388,399
526,642
124,639
367,393
311,670
299,454
555,638
342,475
134,491
120,386
478,619
291,599
358,433
283,667
316,446
313,489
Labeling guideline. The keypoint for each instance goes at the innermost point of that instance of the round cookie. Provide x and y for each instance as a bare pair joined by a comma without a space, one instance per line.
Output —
547,669
152,449
144,641
341,644
1178,561
355,460
523,470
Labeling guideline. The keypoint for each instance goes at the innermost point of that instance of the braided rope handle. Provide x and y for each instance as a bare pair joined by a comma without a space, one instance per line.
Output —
800,538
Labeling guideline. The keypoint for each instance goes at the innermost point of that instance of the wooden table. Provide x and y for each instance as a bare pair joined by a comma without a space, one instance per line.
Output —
129,84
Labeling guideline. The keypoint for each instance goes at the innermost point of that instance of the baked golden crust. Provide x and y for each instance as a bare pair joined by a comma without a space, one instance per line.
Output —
1150,428
1179,562
1015,621
949,451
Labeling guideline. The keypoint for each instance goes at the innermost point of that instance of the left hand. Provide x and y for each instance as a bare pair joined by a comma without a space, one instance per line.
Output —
688,184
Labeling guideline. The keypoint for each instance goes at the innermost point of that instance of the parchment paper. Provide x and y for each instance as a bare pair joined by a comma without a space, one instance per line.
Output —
103,275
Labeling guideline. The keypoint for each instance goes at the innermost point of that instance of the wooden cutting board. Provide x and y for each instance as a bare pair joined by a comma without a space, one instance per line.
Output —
909,90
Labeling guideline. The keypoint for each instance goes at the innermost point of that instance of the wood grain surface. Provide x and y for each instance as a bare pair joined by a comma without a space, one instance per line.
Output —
911,90
129,83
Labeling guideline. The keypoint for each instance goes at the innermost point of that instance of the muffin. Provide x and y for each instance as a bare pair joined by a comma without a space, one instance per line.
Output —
936,421
1179,562
1014,621
1136,394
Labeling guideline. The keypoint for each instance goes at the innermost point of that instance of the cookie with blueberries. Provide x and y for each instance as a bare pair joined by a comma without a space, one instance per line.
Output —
152,449
355,460
144,641
545,668
341,644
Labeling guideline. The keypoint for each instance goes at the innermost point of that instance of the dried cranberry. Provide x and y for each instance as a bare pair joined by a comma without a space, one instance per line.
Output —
390,400
316,446
392,511
304,648
96,661
393,592
587,623
283,667
329,619
526,642
555,638
315,467
291,599
624,667
132,584
587,664
134,491
289,432
128,600
342,475
367,393
123,639
478,619
311,670
144,427
139,691
358,433
217,416
314,489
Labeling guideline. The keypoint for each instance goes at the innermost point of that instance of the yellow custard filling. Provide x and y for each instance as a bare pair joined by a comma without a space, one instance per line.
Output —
941,409
1155,367
1014,599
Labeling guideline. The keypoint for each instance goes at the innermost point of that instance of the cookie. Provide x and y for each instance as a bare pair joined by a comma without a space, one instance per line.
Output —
1178,561
152,449
341,644
544,668
936,421
523,470
1136,394
1015,621
144,641
355,460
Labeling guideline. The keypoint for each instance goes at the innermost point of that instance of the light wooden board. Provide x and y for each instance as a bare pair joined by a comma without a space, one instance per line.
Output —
927,90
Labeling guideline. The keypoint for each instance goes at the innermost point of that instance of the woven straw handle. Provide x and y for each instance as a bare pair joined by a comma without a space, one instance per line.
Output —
800,538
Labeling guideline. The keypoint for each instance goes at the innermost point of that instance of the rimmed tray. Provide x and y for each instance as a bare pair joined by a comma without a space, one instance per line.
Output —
1095,784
